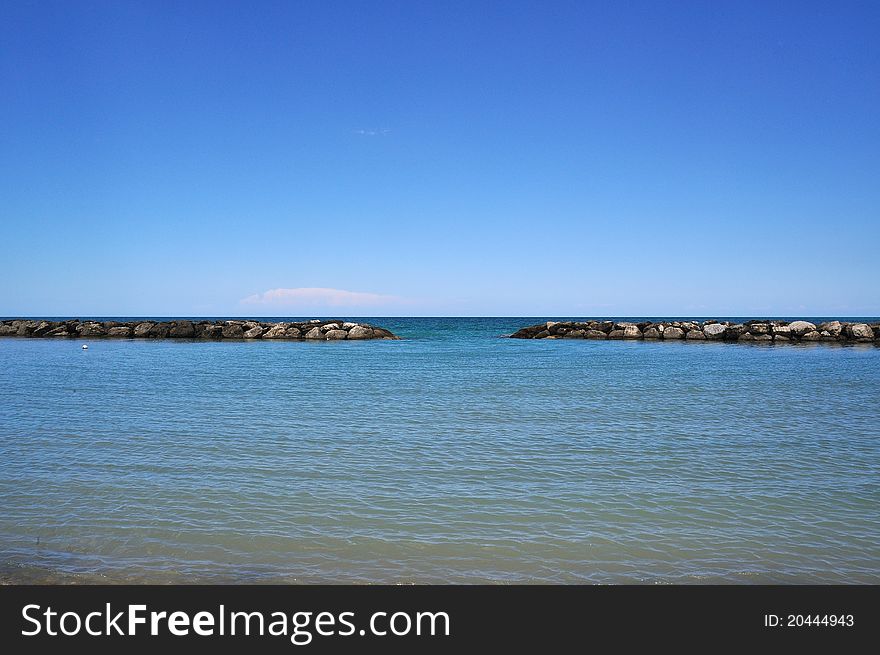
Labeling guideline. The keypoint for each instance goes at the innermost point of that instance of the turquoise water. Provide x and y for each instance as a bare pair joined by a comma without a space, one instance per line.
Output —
450,456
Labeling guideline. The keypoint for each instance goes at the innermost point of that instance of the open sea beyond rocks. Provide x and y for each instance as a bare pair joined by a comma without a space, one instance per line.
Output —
452,455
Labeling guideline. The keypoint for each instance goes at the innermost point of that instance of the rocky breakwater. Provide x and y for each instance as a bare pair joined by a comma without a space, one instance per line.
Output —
748,331
183,329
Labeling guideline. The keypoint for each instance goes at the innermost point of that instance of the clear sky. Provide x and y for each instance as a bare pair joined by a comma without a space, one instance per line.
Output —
440,158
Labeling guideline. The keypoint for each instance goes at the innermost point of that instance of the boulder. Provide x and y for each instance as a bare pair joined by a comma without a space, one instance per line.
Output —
781,331
232,331
143,329
696,333
335,335
860,331
652,333
254,333
360,332
595,334
616,334
330,326
293,333
90,329
43,328
632,331
210,331
160,330
800,328
759,328
7,330
314,333
811,336
574,334
348,325
833,328
714,330
278,331
26,328
119,331
182,330
673,333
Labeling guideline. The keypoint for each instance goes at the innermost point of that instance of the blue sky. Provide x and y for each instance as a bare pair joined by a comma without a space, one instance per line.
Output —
472,158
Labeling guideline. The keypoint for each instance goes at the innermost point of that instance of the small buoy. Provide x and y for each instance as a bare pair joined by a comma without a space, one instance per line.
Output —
85,346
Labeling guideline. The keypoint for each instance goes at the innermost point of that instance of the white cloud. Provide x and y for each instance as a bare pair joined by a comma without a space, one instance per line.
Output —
382,131
318,297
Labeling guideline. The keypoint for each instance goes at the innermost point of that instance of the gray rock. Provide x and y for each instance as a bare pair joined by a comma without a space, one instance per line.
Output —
860,331
652,333
160,330
696,333
781,331
335,335
800,328
91,330
254,333
595,334
759,328
278,331
714,330
632,331
360,332
25,328
382,333
616,334
833,328
143,329
211,332
43,328
811,336
182,330
314,333
119,331
232,331
293,333
348,325
575,334
673,333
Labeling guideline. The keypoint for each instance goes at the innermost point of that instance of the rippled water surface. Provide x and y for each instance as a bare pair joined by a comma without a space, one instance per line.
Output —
450,456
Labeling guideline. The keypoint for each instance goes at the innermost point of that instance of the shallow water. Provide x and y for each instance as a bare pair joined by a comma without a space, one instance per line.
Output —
450,456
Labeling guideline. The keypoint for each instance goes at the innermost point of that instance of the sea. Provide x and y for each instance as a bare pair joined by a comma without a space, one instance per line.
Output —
454,455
